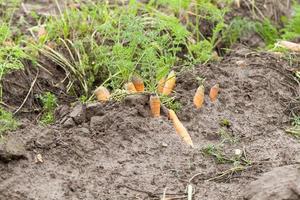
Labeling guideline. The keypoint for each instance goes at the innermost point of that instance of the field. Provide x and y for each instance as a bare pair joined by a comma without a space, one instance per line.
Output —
59,140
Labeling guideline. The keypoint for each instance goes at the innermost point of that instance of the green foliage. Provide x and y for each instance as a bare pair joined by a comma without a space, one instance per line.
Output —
105,44
239,27
7,122
175,5
11,55
49,102
217,152
292,28
171,103
225,123
267,31
295,129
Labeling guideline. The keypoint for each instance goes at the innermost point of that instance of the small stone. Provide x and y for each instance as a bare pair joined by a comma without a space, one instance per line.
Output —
39,158
238,152
164,144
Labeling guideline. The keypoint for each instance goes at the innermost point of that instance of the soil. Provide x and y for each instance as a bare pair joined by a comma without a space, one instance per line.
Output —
118,151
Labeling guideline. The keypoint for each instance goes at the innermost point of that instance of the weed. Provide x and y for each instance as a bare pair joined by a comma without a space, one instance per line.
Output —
226,137
217,153
7,122
49,102
295,129
225,123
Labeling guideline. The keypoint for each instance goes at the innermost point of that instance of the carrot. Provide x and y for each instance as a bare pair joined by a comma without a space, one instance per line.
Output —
213,94
199,97
170,83
289,45
160,85
102,94
155,106
138,84
130,87
237,3
180,129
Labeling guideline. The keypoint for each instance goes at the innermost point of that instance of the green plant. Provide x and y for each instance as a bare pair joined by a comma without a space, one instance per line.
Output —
218,154
295,129
268,32
225,123
226,137
49,102
12,53
106,44
7,122
171,103
292,27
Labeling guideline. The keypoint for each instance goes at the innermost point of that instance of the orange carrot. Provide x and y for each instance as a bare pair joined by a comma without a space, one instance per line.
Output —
213,94
199,97
180,129
170,83
102,94
160,85
155,106
138,84
289,45
130,87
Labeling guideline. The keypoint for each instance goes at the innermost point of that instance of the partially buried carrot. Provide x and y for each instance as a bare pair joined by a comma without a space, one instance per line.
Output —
170,83
138,84
160,85
102,94
155,105
289,45
199,97
214,91
130,87
180,129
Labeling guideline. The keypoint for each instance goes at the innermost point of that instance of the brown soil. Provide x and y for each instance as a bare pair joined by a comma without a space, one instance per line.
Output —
117,151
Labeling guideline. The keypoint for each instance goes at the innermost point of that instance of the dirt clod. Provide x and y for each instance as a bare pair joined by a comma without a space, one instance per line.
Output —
78,113
281,183
12,148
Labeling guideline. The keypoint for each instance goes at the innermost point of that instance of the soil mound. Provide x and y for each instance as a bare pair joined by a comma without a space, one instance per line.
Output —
117,151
